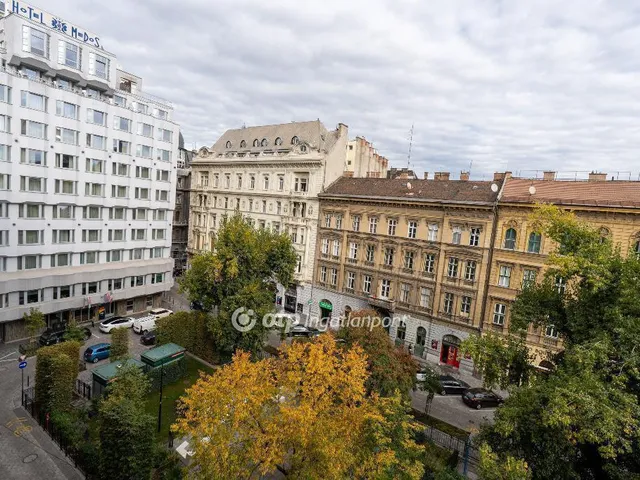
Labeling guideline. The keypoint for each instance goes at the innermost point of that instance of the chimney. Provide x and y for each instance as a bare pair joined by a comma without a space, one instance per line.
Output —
441,176
464,176
597,177
498,176
425,175
507,174
343,129
549,175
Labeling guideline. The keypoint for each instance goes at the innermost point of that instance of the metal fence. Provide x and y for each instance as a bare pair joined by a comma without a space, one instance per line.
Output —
467,454
83,389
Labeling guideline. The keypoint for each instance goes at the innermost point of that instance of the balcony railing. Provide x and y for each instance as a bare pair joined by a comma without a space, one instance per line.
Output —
454,318
428,274
382,303
352,260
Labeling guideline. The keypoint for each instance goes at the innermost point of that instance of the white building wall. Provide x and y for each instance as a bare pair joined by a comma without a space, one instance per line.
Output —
14,280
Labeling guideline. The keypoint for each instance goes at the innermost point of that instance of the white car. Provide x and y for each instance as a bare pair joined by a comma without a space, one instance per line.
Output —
160,312
144,324
115,322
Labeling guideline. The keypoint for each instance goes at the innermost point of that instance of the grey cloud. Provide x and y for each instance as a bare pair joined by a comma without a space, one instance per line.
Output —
519,85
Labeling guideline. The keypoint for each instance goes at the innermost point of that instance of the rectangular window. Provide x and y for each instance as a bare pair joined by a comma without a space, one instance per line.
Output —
529,278
323,274
69,54
355,223
370,254
162,114
5,94
91,213
61,260
425,297
433,232
88,258
162,196
114,256
33,101
353,250
452,267
385,288
499,311
120,169
139,214
448,303
366,284
281,182
325,246
412,229
5,182
551,331
116,235
100,66
33,184
116,213
391,230
162,175
145,130
90,288
66,135
120,146
91,235
561,285
122,124
29,262
5,153
62,236
144,151
429,263
465,306
143,172
504,278
336,248
115,284
94,165
157,278
30,237
162,215
142,193
408,260
94,189
34,41
138,234
474,237
67,110
96,141
373,224
405,292
156,252
265,182
33,157
165,135
533,246
5,124
388,256
327,220
456,235
97,118
470,271
158,234
63,211
164,155
66,187
334,277
339,222
33,129
30,210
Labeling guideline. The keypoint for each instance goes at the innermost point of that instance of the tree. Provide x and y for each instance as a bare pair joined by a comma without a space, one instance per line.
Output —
127,432
34,322
119,343
390,368
74,333
492,467
240,272
305,415
581,420
56,372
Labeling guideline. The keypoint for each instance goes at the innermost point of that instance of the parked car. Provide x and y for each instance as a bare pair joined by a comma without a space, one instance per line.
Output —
480,398
52,336
97,352
449,384
148,338
160,312
115,322
197,305
303,331
144,324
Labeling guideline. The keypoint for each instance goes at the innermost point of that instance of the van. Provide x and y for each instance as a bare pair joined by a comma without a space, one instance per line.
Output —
160,312
96,352
144,324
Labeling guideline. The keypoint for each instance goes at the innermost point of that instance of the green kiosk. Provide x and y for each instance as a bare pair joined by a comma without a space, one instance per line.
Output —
165,364
104,375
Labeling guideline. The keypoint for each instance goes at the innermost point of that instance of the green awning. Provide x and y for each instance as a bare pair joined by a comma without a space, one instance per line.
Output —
326,305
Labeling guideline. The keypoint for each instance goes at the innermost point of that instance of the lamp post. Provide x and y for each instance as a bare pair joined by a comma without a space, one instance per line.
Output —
160,404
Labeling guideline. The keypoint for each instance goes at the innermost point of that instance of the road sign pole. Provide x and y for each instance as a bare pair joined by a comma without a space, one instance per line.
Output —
22,397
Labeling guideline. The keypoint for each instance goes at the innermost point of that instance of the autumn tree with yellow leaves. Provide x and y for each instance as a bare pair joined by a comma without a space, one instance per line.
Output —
305,414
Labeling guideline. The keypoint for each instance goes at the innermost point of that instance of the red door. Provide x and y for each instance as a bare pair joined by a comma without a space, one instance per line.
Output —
452,357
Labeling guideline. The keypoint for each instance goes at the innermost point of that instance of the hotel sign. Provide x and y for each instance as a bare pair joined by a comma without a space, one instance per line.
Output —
51,21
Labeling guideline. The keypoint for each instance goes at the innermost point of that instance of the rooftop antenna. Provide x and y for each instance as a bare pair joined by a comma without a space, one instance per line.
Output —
410,145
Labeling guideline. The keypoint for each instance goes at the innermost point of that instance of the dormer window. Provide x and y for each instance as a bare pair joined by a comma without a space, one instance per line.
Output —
295,141
256,143
278,141
303,149
264,142
228,145
243,144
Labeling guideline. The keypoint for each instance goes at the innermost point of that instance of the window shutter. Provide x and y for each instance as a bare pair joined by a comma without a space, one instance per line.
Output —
61,49
92,63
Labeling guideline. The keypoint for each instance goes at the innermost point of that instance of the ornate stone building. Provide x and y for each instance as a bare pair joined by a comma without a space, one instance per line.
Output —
413,248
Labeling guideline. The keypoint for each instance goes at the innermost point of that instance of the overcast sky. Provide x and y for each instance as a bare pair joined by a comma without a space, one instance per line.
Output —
518,85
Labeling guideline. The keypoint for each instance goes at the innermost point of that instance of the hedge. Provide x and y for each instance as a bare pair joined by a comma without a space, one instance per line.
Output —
189,330
119,343
57,368
171,372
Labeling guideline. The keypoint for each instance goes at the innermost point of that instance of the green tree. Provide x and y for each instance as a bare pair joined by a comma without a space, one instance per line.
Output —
34,322
127,432
119,343
56,372
74,332
493,467
390,368
582,420
240,272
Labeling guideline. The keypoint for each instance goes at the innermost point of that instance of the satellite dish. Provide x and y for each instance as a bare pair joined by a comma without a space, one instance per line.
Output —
409,185
494,187
532,190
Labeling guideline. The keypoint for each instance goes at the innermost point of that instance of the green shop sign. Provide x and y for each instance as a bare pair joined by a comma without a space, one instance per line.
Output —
326,305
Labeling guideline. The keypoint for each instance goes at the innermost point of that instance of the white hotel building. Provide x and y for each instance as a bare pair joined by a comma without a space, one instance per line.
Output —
87,177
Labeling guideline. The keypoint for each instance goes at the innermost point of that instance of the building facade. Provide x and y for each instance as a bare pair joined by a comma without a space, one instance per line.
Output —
87,175
180,230
414,249
362,160
272,174
520,251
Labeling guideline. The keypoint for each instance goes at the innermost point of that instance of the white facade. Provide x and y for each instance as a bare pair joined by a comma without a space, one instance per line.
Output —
87,178
272,174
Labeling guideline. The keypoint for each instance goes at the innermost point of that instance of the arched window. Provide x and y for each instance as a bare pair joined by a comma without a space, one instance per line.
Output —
604,234
264,142
303,148
636,248
421,336
510,239
278,141
228,145
256,143
535,239
243,144
295,141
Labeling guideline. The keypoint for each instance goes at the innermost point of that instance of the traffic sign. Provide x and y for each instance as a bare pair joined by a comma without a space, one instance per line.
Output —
22,365
309,302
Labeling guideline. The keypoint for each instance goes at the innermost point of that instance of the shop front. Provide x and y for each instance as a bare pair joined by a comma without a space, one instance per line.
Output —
450,354
326,310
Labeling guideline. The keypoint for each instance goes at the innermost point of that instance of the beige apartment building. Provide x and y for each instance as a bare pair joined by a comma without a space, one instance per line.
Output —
363,160
520,252
416,249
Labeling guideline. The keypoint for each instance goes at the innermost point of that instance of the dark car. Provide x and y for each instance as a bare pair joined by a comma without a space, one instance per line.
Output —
148,338
449,384
197,305
52,336
480,398
303,331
